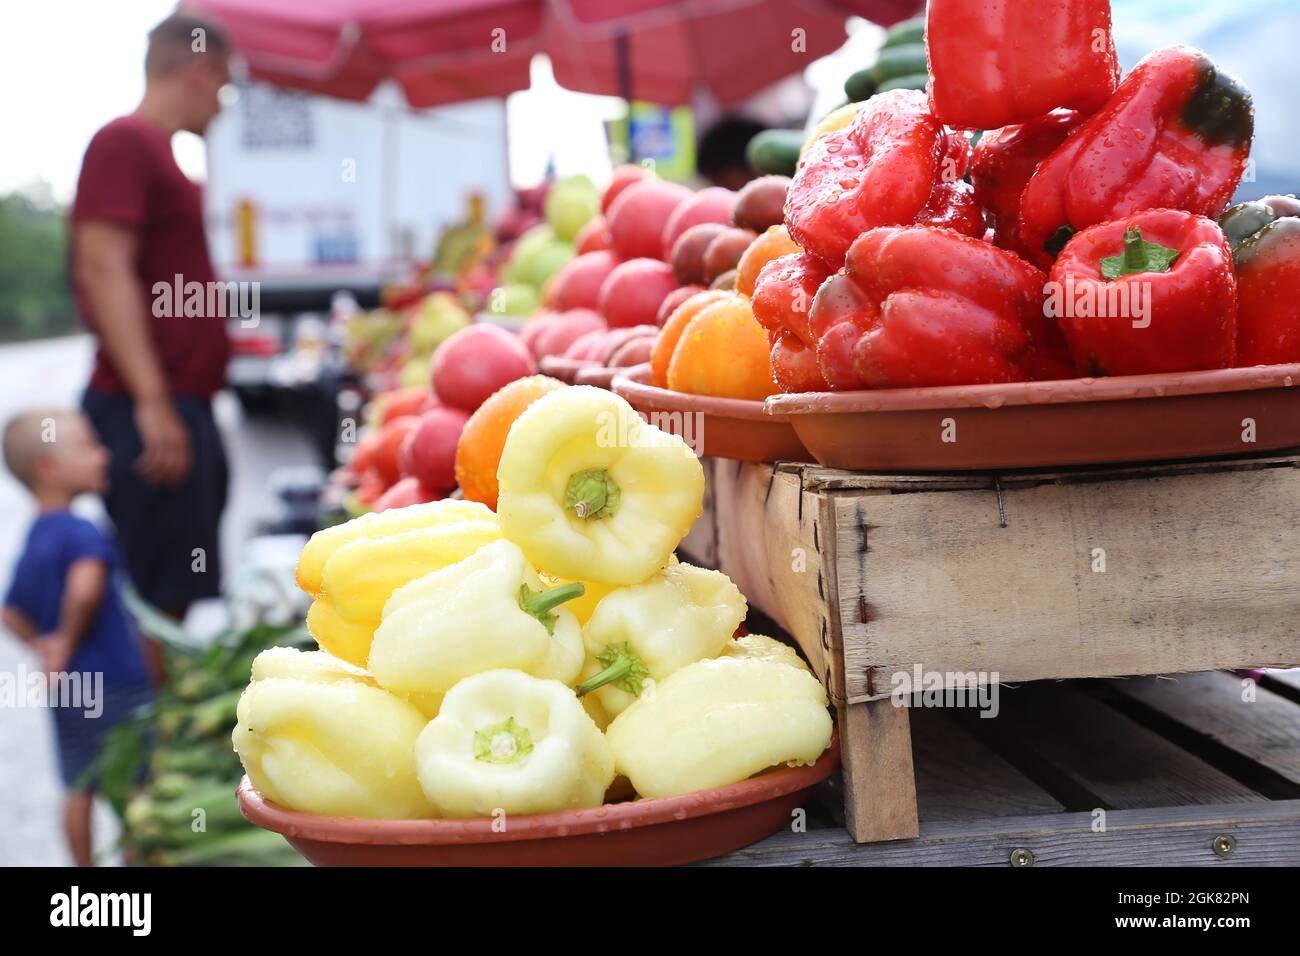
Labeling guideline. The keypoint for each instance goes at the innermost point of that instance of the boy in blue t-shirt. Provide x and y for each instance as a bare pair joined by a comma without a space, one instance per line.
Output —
65,602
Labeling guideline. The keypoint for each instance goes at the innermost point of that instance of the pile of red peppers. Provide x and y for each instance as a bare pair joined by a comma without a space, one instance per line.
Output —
1078,236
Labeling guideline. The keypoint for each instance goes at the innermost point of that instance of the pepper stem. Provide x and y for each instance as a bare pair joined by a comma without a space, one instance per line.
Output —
540,604
622,668
591,494
1139,255
505,742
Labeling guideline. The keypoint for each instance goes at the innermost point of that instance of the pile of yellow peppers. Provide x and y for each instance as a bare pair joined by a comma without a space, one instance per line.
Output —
474,664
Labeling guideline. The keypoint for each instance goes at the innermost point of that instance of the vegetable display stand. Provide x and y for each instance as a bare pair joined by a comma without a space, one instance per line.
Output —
1020,576
1189,771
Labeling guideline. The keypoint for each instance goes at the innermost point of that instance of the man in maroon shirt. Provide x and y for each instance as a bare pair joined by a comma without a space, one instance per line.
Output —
137,235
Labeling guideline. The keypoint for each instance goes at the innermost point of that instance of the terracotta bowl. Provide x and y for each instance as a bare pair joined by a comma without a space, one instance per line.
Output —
566,370
598,375
657,832
720,427
1042,424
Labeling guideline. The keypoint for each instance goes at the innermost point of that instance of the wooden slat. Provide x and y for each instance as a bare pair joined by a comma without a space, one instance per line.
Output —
1090,756
700,546
1202,573
879,783
1267,834
1235,716
770,538
834,479
958,778
1286,683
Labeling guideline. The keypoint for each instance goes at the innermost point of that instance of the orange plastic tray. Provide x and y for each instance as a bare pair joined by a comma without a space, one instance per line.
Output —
1045,424
720,427
656,832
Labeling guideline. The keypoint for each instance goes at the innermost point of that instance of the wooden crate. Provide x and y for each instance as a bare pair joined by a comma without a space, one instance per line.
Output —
1138,772
1088,572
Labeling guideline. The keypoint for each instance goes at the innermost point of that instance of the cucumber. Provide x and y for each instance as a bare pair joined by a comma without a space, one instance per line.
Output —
907,31
775,151
913,81
899,61
860,86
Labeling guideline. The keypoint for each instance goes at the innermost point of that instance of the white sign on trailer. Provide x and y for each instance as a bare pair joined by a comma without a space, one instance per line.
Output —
306,190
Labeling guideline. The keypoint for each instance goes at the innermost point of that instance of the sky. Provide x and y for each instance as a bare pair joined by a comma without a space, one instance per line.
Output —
68,66
49,114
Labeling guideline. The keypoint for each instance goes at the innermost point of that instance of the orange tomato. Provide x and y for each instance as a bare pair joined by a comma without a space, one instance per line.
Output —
666,342
773,244
724,353
478,453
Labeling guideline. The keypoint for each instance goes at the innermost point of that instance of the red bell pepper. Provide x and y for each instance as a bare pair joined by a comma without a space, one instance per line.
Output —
993,64
919,306
1002,163
1149,293
1265,240
783,296
894,165
1175,135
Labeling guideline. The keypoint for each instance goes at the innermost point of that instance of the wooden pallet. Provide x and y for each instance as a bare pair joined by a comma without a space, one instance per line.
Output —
1087,572
1146,771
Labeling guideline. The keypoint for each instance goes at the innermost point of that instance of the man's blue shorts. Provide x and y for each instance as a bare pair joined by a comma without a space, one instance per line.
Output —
167,535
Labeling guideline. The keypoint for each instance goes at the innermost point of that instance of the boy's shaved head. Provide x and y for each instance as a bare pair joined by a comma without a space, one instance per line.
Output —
30,434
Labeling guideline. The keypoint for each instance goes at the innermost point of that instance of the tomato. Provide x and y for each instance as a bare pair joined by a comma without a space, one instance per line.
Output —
475,362
479,451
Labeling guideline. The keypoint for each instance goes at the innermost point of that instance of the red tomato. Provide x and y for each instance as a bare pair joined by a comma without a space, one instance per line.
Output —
429,449
714,204
404,493
560,331
633,292
593,237
391,436
403,401
639,215
577,284
475,362
623,177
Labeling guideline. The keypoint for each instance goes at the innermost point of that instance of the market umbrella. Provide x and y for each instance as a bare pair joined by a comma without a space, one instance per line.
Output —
446,51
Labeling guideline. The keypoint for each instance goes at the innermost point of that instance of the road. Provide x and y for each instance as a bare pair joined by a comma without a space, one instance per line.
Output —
52,373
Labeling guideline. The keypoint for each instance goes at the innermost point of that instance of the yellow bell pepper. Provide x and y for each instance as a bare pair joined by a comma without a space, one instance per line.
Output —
585,603
760,645
680,615
720,721
347,640
322,545
505,741
315,736
315,667
591,492
591,702
356,572
486,612
360,577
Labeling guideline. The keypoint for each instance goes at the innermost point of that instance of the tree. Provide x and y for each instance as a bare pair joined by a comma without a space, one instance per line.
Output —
35,297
